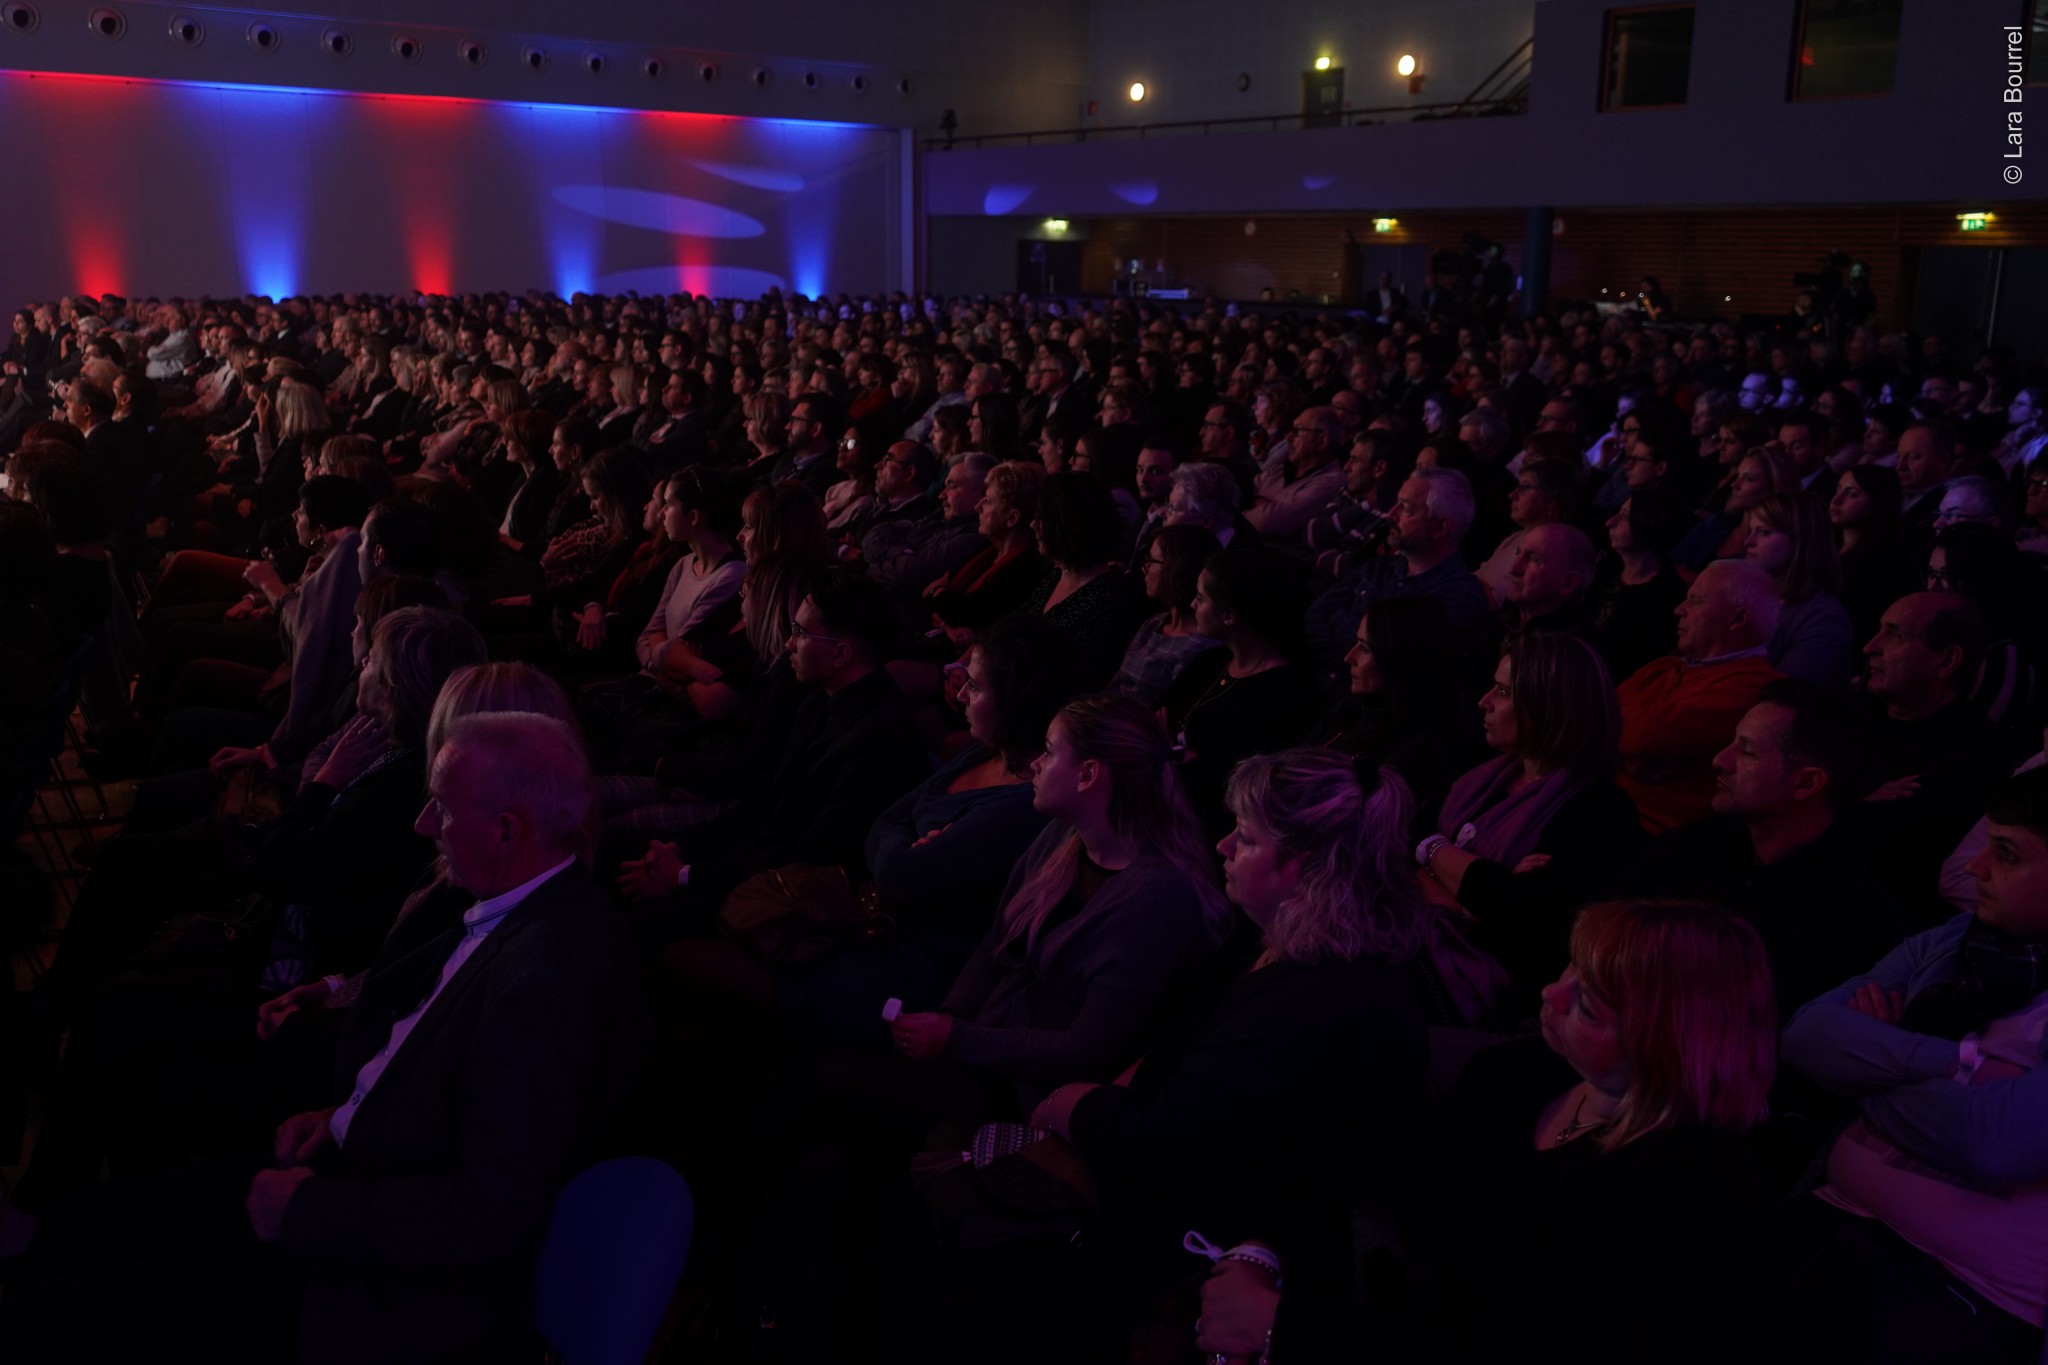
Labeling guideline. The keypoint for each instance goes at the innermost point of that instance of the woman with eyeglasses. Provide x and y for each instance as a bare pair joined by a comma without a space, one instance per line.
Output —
854,494
1167,643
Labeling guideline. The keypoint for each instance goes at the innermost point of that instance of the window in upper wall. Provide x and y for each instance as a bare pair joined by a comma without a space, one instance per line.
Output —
1649,57
1845,48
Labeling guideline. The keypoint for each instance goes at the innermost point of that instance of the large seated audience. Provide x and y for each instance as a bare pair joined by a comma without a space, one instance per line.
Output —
1087,831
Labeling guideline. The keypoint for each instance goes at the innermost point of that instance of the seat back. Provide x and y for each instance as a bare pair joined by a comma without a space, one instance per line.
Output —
614,1252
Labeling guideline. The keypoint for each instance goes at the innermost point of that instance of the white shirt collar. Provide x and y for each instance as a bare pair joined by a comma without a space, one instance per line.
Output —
487,913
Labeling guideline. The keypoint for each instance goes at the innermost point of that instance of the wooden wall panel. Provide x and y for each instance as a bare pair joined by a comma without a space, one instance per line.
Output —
1711,261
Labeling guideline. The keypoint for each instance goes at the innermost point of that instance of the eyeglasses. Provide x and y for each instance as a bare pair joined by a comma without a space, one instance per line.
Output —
850,443
797,632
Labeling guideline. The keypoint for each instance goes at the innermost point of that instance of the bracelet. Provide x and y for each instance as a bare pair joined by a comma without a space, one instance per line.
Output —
1426,850
1258,1256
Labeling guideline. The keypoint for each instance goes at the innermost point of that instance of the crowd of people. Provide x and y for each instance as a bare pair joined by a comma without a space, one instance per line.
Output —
1085,830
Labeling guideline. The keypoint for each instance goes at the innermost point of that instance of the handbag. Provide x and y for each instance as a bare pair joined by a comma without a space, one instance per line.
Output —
1012,1183
799,913
199,938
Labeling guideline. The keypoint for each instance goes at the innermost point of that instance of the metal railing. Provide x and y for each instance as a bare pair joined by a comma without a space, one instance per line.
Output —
1505,91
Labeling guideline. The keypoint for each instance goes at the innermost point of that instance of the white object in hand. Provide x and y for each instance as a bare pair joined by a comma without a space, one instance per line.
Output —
891,1008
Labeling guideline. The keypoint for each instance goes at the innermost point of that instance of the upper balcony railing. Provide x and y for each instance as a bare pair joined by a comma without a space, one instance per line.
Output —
1505,91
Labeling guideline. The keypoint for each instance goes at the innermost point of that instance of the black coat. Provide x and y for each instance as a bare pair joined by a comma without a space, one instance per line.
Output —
845,759
419,1237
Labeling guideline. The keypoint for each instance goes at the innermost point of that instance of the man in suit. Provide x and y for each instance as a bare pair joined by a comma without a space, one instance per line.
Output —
1928,454
814,428
117,453
477,1072
680,438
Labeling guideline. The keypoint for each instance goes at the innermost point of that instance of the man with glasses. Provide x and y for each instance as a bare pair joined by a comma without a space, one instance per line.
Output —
1430,518
1046,387
1759,391
903,479
1291,493
1224,438
1973,500
908,554
813,426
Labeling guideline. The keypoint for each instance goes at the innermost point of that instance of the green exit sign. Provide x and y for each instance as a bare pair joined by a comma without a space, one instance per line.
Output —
1973,222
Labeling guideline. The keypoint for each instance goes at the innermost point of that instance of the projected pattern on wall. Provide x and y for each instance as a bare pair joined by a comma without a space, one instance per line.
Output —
168,188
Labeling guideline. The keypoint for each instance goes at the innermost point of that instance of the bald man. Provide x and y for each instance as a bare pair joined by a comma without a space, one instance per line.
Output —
1677,712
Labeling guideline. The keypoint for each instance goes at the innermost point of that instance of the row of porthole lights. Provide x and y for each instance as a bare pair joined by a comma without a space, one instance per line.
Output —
21,17
1409,67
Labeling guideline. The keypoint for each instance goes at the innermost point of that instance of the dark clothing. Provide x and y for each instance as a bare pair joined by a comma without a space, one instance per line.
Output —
987,588
1634,623
418,1237
1219,719
1270,1061
1662,1243
1430,750
846,756
1525,919
939,897
1822,916
1080,998
1099,619
1333,617
1958,757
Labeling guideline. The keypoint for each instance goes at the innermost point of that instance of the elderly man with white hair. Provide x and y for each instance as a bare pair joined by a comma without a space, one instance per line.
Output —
1677,712
475,1072
478,1072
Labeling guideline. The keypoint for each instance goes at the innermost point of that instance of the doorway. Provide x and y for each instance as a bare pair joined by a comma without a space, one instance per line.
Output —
1046,267
1322,98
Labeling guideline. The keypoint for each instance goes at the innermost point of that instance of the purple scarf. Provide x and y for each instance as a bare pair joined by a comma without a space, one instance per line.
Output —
1506,827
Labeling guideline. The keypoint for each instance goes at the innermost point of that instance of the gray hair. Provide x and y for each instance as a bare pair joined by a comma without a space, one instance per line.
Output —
976,462
528,763
1212,489
1744,585
1449,498
1983,497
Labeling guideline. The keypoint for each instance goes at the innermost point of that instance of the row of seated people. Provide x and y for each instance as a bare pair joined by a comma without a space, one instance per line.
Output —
843,764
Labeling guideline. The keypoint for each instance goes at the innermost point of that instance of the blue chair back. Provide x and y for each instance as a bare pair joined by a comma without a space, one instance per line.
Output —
615,1250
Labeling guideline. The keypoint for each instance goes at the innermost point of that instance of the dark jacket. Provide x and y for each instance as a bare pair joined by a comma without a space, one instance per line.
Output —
1079,1002
846,757
1272,1061
1525,919
1663,1242
349,855
418,1238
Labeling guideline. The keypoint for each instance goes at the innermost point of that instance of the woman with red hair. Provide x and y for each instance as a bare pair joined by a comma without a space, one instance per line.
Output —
1587,1197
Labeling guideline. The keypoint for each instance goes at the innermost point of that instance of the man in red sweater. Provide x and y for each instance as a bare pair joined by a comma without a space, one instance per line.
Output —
1677,712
